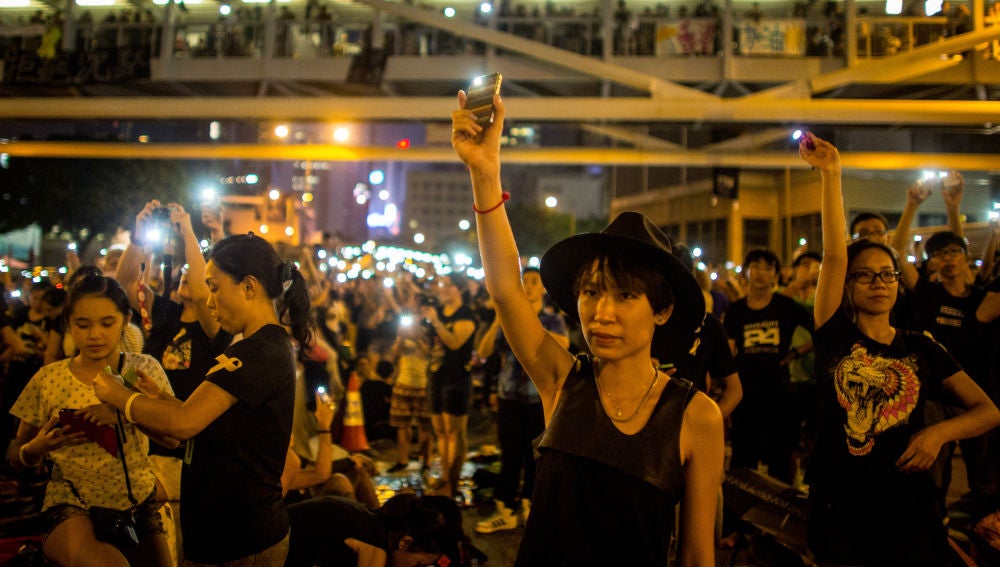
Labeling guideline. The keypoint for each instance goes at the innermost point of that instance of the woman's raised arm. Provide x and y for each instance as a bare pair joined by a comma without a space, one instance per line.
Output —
830,289
545,361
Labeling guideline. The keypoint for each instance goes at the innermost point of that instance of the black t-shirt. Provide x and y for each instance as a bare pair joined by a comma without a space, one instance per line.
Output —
763,337
183,349
711,355
320,526
952,322
871,401
231,490
447,362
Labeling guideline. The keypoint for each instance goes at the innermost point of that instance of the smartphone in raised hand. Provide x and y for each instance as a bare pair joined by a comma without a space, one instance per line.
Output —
480,97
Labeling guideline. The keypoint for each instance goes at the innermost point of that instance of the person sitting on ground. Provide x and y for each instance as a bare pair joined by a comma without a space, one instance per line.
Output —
408,530
314,464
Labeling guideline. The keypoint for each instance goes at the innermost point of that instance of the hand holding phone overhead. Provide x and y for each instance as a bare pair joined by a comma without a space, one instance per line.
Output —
479,99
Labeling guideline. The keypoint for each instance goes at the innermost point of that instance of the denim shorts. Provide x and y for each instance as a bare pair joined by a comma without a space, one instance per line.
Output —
147,519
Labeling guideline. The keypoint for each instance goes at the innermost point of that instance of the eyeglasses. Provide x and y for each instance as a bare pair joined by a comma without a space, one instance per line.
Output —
869,234
866,277
950,251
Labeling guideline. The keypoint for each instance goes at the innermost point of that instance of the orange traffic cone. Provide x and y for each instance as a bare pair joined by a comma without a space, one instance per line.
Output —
353,437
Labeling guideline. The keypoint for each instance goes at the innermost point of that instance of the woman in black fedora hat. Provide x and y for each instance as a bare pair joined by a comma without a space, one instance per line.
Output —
623,442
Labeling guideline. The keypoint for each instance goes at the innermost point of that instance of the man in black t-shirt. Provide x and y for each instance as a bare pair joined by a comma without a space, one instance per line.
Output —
947,310
760,328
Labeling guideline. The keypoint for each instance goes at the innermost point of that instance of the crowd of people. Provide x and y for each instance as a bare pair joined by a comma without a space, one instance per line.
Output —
614,369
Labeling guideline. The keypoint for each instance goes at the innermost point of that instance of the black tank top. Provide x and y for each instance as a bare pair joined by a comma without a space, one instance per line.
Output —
602,497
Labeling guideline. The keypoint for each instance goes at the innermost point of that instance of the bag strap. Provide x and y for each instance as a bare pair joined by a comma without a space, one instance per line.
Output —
120,438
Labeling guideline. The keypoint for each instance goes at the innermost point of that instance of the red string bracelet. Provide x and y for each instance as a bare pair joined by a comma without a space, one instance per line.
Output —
504,197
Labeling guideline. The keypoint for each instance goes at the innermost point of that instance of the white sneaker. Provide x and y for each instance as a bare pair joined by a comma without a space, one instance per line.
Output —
502,519
525,510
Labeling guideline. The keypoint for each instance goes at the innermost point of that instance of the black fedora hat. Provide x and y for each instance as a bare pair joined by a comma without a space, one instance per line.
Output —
632,233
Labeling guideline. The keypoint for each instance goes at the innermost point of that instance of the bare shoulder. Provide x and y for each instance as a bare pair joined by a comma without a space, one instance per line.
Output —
702,415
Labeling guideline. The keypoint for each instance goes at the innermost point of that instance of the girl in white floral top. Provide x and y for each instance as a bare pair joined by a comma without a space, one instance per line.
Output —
88,493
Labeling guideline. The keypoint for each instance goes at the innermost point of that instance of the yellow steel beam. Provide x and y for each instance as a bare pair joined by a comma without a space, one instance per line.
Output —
554,109
546,156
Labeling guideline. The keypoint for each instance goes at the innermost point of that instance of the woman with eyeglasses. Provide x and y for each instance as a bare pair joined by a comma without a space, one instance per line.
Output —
871,499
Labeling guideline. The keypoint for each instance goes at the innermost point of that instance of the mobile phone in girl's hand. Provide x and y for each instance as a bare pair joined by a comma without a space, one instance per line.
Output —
480,97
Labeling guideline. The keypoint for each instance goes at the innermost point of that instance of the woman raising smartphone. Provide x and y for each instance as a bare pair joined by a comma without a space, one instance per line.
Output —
871,501
239,420
89,502
623,442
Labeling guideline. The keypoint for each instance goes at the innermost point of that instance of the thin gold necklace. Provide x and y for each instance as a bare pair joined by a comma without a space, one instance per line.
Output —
619,412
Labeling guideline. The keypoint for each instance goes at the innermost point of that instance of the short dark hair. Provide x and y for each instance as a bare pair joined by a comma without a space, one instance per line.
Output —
867,215
459,280
384,368
628,271
762,254
807,255
434,523
41,286
944,239
55,297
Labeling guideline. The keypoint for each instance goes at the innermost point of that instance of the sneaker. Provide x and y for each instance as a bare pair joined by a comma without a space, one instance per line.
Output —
398,467
502,519
525,510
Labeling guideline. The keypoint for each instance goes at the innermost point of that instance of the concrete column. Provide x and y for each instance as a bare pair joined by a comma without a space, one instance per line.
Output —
69,28
167,33
378,33
607,29
726,40
734,250
269,32
491,24
786,214
851,33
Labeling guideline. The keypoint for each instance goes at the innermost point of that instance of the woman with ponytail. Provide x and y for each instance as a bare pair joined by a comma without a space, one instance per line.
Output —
238,422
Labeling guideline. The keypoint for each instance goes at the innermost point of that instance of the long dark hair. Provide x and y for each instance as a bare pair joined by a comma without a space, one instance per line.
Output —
245,255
